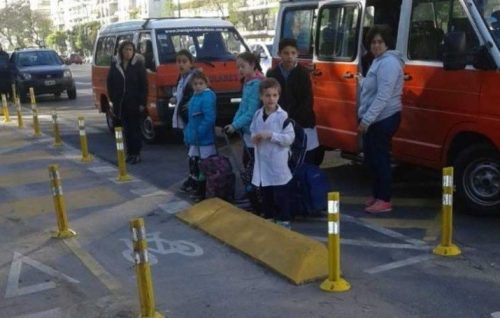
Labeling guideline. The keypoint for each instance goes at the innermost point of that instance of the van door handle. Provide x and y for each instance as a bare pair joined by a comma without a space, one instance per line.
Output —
348,75
407,77
316,73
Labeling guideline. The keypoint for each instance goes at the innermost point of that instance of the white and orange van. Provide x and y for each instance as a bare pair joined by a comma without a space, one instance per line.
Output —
451,96
214,43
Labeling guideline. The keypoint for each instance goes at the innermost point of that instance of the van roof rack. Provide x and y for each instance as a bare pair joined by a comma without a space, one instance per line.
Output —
146,21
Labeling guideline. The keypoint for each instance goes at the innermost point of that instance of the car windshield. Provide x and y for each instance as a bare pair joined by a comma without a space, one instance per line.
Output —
490,10
206,44
38,58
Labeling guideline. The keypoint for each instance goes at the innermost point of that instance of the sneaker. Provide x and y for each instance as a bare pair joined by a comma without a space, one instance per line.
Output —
187,186
379,206
370,201
285,224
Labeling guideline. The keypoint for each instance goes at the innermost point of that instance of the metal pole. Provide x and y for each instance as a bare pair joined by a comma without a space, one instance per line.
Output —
36,124
20,123
86,157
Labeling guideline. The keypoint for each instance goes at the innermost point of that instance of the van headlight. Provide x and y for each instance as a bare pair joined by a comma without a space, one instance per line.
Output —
26,76
67,74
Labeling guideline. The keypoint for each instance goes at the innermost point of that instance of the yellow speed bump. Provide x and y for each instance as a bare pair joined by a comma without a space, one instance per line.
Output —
291,254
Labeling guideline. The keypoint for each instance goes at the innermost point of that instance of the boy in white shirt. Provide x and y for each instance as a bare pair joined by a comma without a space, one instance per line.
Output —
272,136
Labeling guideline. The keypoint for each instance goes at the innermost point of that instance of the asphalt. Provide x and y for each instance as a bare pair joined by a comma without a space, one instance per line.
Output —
387,259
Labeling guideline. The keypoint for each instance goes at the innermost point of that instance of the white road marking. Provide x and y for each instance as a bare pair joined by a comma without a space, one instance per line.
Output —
53,313
376,244
495,314
119,182
398,264
13,288
174,206
383,230
148,192
103,169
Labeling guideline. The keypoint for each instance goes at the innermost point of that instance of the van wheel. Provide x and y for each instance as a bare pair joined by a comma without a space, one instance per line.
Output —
478,179
149,132
110,122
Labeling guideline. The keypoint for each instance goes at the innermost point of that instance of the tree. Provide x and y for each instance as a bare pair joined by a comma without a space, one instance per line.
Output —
22,27
82,37
57,40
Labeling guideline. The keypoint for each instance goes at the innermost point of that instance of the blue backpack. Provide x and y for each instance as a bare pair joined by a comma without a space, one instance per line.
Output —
298,148
310,187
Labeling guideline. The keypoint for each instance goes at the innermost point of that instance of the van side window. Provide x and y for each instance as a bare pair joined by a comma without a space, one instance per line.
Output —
430,20
104,51
337,34
146,49
121,38
298,24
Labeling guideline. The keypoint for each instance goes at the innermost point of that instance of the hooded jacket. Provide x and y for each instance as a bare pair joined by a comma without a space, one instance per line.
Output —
201,111
250,102
127,89
382,88
296,96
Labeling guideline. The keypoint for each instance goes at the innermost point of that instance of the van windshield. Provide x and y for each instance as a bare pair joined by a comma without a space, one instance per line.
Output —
490,10
206,44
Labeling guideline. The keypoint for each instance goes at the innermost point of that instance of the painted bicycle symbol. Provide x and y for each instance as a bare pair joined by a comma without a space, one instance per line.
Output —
158,245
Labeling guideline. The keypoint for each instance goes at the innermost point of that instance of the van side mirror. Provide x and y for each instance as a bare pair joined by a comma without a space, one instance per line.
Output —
454,51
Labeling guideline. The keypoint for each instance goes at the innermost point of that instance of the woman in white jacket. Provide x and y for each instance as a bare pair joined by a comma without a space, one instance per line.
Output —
272,136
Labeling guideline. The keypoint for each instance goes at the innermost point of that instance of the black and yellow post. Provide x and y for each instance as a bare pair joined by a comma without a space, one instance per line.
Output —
20,123
57,193
5,107
34,110
86,157
120,153
446,247
143,270
57,135
334,283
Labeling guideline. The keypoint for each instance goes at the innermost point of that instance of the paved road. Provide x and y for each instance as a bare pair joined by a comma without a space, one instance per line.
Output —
386,258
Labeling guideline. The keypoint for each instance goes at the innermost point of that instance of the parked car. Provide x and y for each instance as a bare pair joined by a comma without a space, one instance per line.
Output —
75,59
43,70
263,50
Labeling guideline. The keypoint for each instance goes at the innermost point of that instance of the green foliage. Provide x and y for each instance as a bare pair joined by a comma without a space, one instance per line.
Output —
57,41
82,37
22,27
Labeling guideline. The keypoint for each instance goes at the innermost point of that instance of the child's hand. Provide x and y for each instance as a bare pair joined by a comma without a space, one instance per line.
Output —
229,129
256,139
266,135
263,135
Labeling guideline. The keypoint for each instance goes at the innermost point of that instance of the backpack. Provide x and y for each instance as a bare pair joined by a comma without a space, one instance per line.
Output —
298,148
309,190
220,179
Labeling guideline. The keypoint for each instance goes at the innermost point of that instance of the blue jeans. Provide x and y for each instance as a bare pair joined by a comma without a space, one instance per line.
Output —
376,148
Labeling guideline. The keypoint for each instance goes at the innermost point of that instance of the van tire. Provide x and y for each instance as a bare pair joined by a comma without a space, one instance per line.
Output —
477,180
149,132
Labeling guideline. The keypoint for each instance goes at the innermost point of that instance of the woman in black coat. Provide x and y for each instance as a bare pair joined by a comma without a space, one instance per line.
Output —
127,89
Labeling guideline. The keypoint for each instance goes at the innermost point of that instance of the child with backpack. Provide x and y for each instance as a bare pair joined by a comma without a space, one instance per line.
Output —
199,132
272,136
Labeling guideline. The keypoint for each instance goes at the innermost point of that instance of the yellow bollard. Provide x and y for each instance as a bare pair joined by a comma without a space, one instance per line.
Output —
334,283
142,270
5,106
34,110
57,135
62,220
86,157
120,153
20,123
447,248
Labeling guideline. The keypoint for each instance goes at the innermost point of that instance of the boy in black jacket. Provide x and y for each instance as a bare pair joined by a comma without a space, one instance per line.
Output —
297,96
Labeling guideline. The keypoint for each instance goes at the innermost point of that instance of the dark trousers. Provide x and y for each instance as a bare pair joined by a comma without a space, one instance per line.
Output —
376,148
276,202
132,133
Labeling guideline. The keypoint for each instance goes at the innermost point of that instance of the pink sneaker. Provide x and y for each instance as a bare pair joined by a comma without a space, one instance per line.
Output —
379,206
370,201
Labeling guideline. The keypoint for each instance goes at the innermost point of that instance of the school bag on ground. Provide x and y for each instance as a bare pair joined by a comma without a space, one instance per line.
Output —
220,179
309,190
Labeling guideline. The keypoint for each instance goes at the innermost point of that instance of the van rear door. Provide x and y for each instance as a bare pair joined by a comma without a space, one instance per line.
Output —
335,63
